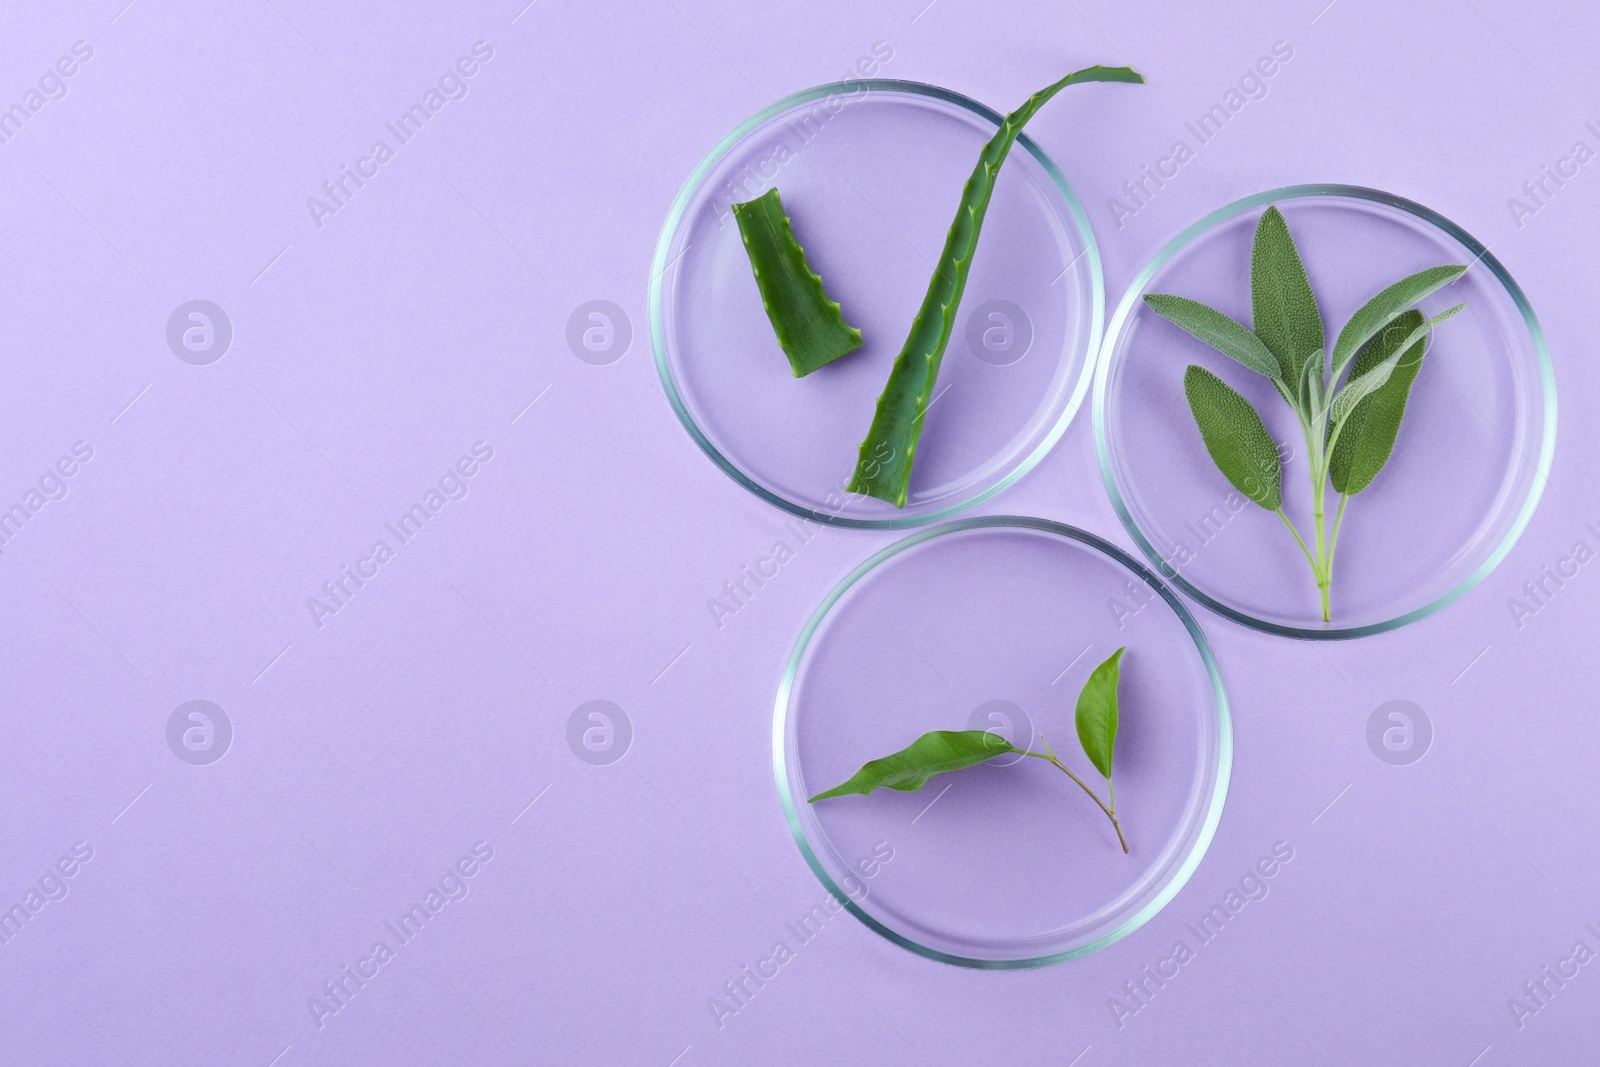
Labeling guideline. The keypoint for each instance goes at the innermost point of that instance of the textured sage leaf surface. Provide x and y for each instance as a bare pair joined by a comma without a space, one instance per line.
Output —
1368,435
1097,713
1235,436
883,467
932,753
1359,387
1217,330
1377,313
1312,384
811,329
1283,308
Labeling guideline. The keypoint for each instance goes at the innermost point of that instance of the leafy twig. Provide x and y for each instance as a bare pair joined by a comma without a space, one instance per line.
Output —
1349,433
941,751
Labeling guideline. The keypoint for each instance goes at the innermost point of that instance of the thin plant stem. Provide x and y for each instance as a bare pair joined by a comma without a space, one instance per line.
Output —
1296,535
1338,523
1049,756
1319,514
1316,447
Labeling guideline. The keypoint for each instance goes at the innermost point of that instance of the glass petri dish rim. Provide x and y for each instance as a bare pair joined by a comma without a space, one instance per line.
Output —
1208,827
1480,253
675,217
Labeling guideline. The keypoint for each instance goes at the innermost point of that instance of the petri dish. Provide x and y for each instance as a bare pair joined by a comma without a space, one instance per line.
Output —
1472,456
995,623
870,173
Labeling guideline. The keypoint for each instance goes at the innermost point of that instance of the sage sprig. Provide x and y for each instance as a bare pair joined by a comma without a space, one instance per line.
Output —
942,751
1350,431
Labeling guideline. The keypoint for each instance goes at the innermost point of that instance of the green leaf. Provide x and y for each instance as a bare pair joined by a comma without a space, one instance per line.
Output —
1368,435
1097,713
1382,309
1217,330
1312,387
1282,307
933,753
811,330
1236,437
1358,388
883,463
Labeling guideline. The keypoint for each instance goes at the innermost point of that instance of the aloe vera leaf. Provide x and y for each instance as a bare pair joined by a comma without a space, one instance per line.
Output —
1236,437
883,466
1369,433
1382,309
1207,324
933,753
811,329
1283,309
1097,716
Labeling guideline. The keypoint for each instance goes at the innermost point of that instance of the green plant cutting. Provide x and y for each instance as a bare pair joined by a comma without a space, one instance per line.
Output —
811,329
883,468
943,751
1349,431
812,332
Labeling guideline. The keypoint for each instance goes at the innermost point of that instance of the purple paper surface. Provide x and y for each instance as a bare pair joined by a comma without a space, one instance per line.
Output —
403,747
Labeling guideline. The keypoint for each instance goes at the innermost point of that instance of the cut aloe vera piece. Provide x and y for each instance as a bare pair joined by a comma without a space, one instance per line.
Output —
810,327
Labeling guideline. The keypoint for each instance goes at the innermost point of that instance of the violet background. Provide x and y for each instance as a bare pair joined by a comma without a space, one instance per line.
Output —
371,753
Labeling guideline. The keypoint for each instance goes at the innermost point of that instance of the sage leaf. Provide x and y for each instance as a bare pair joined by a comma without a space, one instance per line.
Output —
1283,309
933,753
811,329
1097,713
1217,330
1367,438
1358,388
1312,387
1236,437
1378,312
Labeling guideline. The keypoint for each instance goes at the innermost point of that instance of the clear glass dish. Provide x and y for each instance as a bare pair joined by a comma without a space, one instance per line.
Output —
1467,470
995,623
871,173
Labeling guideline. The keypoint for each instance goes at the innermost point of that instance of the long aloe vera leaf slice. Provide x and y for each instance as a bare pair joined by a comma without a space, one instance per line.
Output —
810,327
883,467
